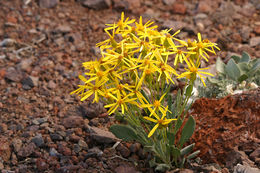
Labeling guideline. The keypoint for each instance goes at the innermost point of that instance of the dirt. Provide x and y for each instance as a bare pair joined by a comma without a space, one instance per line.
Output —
42,45
223,124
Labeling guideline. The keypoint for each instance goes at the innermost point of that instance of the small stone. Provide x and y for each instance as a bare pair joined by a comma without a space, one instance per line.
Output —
38,140
27,150
178,8
91,110
64,29
53,152
186,171
13,74
25,64
257,30
51,84
17,144
74,138
97,4
245,169
27,83
255,154
35,80
48,3
236,37
83,144
175,25
3,127
1,165
8,42
94,152
73,122
76,148
56,137
125,169
135,147
5,150
169,2
124,151
130,5
254,41
204,7
64,150
102,136
200,16
41,164
245,33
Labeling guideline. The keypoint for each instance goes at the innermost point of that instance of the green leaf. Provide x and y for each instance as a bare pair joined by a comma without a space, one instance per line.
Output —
171,138
235,58
189,90
177,125
245,57
193,155
123,132
187,149
169,102
232,70
243,66
213,80
220,66
176,153
162,167
242,78
187,131
255,68
182,162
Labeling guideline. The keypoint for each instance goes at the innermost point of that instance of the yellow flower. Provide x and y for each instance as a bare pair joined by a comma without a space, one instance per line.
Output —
160,122
120,102
156,104
109,42
202,46
122,24
164,68
193,71
96,89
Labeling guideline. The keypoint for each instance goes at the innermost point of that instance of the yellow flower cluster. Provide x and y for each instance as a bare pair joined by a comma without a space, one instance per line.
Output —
134,56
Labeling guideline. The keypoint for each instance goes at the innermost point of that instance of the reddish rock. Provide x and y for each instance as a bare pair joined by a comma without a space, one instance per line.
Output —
125,169
48,3
64,150
236,37
27,150
124,151
41,164
102,136
73,121
5,150
257,30
96,4
179,8
131,5
204,7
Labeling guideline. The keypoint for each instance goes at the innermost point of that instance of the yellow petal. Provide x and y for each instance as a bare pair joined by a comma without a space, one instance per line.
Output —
153,130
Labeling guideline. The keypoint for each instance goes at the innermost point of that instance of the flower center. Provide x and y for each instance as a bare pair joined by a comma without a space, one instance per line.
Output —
120,101
160,121
193,69
100,73
156,103
179,52
200,45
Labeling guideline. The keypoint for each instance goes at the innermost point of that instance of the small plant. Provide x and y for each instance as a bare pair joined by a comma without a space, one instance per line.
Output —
240,73
132,77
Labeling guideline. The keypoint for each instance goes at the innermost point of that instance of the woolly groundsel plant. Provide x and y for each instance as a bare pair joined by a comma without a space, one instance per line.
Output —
132,78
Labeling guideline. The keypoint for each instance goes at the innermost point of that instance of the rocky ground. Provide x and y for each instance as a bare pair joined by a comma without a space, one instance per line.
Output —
45,129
